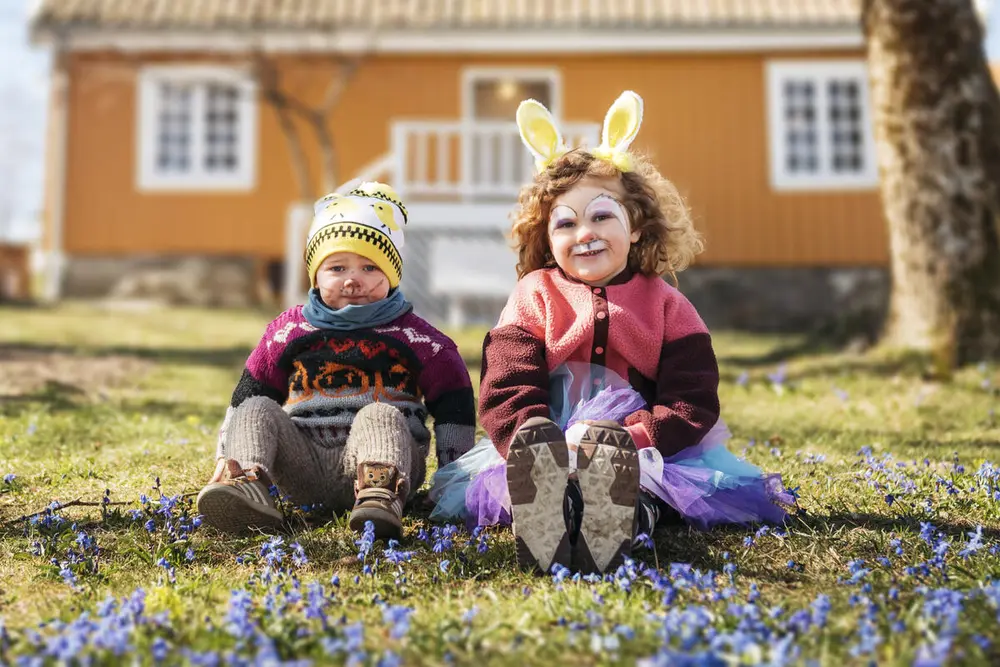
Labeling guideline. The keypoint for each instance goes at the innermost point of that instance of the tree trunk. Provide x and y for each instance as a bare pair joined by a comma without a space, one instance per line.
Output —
937,129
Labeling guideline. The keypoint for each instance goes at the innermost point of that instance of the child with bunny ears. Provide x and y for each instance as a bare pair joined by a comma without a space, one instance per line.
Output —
599,387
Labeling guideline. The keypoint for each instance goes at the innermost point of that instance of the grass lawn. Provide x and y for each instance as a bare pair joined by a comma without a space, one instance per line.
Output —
891,557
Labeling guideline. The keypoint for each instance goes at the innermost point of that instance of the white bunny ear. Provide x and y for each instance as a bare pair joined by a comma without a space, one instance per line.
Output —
539,132
621,123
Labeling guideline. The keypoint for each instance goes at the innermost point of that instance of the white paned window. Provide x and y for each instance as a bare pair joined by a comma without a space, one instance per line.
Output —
197,129
820,126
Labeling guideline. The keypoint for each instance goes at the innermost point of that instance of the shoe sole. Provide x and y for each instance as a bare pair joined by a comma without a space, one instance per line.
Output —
609,482
386,526
537,474
227,509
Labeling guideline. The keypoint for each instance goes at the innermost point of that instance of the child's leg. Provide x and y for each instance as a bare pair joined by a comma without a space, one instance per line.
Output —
385,465
263,445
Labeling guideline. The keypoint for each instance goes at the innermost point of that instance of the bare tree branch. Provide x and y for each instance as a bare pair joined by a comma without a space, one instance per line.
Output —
269,81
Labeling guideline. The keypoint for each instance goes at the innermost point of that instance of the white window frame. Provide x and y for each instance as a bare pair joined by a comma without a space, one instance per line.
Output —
471,75
148,177
818,71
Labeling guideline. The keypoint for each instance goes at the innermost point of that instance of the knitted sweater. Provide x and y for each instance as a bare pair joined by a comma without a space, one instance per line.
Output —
640,327
323,377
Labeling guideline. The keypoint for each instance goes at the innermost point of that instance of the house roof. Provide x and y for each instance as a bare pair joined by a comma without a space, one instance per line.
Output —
456,15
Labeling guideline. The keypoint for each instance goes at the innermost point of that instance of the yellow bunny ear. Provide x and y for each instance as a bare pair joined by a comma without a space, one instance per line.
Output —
539,133
621,125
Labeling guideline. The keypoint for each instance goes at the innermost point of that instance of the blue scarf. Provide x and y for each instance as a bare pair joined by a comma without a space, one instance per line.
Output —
351,317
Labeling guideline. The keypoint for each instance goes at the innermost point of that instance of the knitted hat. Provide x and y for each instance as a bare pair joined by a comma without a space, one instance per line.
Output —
368,221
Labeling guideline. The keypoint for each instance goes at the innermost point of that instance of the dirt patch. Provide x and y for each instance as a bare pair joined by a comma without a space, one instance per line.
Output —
27,371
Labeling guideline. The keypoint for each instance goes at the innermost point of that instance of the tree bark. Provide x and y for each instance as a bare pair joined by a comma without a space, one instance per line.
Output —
937,130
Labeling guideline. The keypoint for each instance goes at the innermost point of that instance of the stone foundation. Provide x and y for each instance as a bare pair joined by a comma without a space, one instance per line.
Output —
227,282
784,300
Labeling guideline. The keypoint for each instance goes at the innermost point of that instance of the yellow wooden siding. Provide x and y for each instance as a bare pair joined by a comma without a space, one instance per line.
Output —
705,124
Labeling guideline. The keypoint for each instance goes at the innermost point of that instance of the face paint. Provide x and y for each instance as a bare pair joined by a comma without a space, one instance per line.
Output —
593,246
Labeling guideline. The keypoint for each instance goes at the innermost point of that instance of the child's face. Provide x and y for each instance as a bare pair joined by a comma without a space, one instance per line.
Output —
589,231
348,279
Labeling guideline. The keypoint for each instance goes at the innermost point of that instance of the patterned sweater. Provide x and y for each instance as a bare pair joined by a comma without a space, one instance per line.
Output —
323,377
638,326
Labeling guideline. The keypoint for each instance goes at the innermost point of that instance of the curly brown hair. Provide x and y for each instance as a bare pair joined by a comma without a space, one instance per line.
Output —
668,241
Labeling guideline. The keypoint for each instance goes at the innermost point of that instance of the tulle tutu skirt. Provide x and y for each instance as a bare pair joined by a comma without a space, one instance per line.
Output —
705,483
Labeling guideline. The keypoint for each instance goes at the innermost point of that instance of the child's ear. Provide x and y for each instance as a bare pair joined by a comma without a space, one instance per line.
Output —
635,236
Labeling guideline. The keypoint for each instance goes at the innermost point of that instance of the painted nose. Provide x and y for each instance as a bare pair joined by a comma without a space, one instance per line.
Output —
586,235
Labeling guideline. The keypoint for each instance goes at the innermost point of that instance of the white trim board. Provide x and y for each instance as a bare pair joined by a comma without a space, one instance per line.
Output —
526,41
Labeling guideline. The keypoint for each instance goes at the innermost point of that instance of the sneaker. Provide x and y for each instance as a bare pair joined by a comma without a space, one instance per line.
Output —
608,472
379,493
537,474
241,501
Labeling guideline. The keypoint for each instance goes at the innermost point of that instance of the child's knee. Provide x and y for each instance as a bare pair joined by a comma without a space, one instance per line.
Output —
260,406
380,414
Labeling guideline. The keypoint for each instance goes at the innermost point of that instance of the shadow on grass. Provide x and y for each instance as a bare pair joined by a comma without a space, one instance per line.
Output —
53,396
910,523
57,397
827,363
225,357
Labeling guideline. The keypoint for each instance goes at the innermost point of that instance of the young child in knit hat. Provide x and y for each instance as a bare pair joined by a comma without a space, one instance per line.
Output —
333,402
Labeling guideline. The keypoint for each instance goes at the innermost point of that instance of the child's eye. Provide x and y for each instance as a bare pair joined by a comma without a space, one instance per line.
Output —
336,269
561,224
369,268
598,217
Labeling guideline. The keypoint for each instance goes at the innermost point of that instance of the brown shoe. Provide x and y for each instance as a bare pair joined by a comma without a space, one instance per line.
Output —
379,492
608,471
239,501
537,476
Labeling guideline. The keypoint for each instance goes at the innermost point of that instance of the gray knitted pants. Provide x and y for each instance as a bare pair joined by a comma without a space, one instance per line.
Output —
260,433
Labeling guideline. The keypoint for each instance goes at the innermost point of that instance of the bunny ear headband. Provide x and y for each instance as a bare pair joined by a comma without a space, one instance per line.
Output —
621,124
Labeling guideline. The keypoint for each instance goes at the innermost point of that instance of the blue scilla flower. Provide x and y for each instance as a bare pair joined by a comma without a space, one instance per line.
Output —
397,617
366,541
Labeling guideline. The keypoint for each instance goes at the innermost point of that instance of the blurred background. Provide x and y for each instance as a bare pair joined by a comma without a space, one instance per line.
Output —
169,152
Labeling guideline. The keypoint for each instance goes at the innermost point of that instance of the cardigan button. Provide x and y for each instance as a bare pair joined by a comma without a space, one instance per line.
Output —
598,350
601,315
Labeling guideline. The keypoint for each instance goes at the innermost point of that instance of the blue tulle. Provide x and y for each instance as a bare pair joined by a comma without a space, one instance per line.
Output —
705,483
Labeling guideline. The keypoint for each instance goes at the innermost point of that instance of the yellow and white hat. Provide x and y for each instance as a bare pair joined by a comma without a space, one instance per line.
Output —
369,221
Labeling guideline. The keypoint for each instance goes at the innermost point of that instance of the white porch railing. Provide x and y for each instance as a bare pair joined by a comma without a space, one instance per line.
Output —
468,160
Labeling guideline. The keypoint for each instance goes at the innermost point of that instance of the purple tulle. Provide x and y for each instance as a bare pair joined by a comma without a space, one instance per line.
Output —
487,499
705,483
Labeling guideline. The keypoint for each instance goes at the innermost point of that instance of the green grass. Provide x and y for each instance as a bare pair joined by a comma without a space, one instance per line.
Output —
94,400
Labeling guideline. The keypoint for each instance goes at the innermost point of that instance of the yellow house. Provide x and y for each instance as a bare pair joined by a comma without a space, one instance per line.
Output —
163,143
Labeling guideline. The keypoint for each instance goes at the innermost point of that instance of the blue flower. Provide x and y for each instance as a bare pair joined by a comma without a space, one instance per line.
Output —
9,478
398,618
